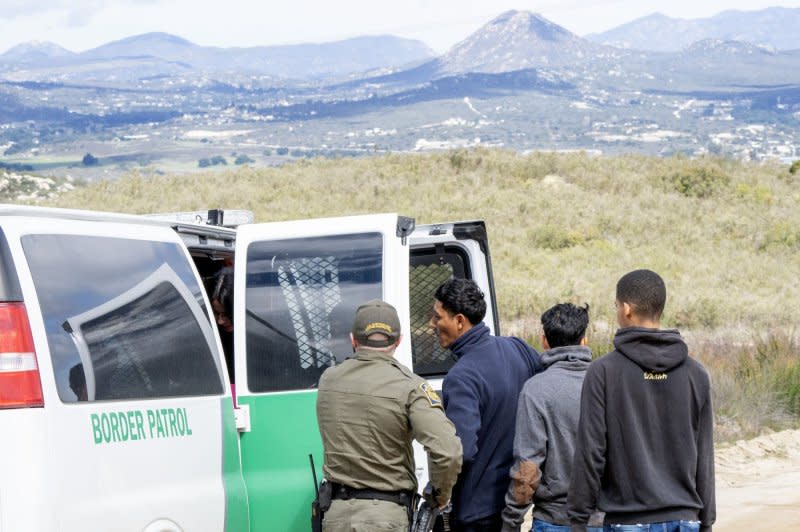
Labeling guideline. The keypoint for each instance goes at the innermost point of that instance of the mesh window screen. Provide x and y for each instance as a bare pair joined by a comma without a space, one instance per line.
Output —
429,269
311,289
428,356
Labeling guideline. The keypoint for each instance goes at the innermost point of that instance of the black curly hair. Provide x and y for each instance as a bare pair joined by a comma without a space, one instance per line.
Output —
462,296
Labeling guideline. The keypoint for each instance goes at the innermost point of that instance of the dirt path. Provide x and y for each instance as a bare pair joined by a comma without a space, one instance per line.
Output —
758,483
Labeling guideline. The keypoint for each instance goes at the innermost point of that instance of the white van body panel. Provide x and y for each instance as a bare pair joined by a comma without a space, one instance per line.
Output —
57,477
23,482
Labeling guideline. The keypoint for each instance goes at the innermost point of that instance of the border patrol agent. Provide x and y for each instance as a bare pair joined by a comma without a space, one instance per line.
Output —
369,409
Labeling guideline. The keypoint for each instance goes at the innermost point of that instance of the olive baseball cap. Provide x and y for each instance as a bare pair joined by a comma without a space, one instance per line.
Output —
376,316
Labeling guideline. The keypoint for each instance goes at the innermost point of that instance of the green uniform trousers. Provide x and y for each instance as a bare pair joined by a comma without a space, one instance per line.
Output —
362,515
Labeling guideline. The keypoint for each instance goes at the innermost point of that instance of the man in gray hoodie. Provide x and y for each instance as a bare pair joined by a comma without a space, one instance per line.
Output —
547,418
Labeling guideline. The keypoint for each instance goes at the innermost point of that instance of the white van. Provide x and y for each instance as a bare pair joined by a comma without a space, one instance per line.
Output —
124,392
115,408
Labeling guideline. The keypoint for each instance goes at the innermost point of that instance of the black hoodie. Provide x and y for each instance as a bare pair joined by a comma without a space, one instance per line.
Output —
644,451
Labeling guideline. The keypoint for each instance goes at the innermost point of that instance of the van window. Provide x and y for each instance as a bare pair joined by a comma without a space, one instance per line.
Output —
430,267
300,301
125,318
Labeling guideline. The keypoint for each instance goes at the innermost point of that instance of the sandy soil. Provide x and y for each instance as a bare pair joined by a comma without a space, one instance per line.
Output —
758,483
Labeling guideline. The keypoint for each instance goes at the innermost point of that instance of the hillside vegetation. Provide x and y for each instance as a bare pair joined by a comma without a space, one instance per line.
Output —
724,235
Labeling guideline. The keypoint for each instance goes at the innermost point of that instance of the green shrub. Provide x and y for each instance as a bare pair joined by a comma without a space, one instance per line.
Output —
90,160
795,167
788,386
698,181
552,237
243,159
755,385
757,193
702,313
600,346
778,355
780,235
464,160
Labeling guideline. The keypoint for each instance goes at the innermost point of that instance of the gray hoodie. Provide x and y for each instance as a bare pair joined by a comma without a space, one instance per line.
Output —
547,418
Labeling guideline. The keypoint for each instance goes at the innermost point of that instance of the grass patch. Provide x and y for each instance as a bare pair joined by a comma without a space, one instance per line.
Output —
561,226
756,385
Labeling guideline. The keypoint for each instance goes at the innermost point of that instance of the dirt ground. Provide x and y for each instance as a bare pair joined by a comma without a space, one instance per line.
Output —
758,484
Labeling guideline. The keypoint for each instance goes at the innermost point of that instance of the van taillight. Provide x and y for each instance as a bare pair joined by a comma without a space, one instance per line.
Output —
20,385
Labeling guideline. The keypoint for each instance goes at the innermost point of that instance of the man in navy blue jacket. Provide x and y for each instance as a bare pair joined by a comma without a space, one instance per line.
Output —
480,395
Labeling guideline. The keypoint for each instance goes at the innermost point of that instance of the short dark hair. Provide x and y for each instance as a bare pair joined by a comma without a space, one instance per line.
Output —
645,291
462,296
565,324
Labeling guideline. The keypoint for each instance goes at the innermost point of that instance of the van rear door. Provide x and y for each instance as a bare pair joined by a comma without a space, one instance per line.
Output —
297,286
439,252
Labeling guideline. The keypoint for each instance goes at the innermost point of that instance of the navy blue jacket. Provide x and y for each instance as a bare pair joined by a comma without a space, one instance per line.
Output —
480,395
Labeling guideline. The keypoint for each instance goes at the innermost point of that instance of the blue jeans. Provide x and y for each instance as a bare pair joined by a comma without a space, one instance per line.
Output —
668,526
544,526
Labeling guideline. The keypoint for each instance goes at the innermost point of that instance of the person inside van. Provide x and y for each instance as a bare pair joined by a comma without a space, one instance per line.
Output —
222,306
77,382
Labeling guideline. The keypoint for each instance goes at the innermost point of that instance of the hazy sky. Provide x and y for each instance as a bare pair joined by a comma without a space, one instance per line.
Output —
82,24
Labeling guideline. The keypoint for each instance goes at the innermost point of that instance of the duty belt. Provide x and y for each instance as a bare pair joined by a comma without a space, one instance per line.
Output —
401,497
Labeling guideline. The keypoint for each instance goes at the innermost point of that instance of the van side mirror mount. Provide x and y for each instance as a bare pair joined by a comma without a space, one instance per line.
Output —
405,226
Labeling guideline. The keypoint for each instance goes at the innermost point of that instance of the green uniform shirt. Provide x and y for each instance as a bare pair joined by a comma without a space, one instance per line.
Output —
369,410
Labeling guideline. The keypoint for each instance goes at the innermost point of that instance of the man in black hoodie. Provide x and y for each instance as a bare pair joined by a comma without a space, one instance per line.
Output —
644,452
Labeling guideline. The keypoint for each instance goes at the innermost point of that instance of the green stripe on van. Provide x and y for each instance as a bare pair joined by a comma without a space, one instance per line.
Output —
237,518
276,468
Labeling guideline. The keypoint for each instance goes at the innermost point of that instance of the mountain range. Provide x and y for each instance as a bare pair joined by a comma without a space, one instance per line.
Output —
520,81
168,53
509,42
774,27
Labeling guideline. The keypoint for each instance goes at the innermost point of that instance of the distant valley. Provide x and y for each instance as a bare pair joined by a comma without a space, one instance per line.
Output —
159,103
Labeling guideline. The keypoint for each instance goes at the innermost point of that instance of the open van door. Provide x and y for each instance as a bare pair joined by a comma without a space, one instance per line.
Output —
297,286
439,252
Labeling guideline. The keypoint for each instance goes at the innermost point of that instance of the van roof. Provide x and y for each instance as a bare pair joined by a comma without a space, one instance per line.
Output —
101,216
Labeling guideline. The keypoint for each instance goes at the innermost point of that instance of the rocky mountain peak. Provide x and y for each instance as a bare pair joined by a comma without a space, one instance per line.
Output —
524,24
515,40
